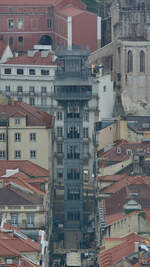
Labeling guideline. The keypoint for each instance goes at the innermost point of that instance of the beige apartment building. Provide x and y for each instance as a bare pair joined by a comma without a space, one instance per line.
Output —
25,133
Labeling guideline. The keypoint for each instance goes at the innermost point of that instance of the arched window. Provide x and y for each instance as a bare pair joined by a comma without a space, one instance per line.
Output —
142,61
130,62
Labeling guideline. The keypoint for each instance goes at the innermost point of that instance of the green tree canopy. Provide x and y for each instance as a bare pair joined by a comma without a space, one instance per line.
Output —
94,5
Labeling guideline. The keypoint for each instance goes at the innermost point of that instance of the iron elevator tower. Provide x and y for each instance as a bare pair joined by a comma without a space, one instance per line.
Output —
73,89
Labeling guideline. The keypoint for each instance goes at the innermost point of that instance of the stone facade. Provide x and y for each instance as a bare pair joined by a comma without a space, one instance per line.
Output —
125,54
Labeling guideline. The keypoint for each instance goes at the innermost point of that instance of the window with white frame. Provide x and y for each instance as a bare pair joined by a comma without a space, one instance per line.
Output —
2,154
14,219
32,136
59,116
85,132
10,24
20,23
2,137
17,154
32,154
17,121
30,219
32,72
7,71
44,72
17,137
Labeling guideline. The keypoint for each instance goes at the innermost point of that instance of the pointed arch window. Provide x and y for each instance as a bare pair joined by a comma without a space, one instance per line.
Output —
142,61
130,62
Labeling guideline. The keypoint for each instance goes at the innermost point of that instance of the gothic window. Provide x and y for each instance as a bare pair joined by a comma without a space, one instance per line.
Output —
130,62
142,61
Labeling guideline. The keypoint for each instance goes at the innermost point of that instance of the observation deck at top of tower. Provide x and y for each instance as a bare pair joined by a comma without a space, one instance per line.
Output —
73,78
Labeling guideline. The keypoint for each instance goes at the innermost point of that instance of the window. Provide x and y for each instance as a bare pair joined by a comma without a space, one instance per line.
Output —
20,99
44,72
17,121
31,72
142,61
85,132
30,219
129,151
73,173
59,173
86,116
17,137
73,193
7,88
43,90
11,40
2,137
104,88
32,136
73,215
73,151
32,101
7,71
31,90
43,101
32,154
20,89
59,131
130,62
59,116
20,40
2,154
59,161
17,154
59,148
14,219
10,24
20,23
49,23
20,72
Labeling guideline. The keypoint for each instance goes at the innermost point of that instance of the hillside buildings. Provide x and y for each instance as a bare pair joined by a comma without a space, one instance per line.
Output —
22,131
48,22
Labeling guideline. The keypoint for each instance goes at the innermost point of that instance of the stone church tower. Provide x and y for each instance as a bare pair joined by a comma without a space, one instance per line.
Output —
125,53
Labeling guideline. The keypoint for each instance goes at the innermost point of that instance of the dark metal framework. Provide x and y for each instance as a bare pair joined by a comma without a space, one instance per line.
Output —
72,91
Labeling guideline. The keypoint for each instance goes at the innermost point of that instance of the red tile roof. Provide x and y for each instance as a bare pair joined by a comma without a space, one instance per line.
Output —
28,167
71,11
9,196
111,256
36,59
113,156
35,116
6,250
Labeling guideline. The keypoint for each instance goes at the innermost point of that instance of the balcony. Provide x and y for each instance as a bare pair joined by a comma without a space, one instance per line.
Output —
62,93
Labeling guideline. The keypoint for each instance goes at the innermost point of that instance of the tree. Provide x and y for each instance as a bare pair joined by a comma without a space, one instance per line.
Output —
94,5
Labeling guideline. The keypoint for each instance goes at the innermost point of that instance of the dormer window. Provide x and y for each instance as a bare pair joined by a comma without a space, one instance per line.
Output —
129,151
17,121
118,150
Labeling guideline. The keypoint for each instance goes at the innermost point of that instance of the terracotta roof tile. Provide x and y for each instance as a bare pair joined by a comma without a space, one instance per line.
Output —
71,11
14,197
36,59
28,167
35,116
113,255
